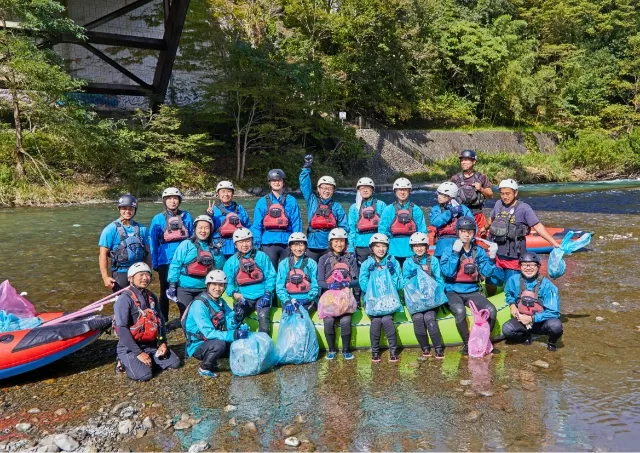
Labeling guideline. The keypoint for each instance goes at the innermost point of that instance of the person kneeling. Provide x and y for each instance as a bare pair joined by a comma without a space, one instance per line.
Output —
210,325
534,304
462,264
142,338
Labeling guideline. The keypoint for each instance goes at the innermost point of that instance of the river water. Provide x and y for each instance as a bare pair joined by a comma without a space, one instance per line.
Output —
588,398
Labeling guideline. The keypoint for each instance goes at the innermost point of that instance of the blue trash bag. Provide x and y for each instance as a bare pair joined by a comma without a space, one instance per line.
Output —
10,322
253,355
381,297
297,341
422,293
557,266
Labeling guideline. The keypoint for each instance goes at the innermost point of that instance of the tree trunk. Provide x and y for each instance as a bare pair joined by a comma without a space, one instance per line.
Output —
18,151
244,163
238,155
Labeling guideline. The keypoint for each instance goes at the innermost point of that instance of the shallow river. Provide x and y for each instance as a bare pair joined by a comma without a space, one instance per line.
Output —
588,398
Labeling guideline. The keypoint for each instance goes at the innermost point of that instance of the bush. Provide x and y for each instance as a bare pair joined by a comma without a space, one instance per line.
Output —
602,155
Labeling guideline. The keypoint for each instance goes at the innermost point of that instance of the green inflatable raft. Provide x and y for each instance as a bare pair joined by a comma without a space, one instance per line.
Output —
404,326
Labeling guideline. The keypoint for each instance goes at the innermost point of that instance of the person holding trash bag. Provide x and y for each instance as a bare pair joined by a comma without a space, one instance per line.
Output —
297,277
534,303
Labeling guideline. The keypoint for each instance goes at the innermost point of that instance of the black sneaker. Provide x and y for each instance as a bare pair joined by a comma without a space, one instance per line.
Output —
439,354
495,351
528,341
552,347
120,367
393,357
375,357
426,352
465,349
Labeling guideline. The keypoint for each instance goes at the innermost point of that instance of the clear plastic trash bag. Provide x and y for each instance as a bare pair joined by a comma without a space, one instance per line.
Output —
422,293
12,302
336,302
480,338
381,297
557,266
297,341
253,355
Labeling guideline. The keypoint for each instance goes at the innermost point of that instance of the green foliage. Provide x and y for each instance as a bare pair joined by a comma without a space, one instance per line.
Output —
602,155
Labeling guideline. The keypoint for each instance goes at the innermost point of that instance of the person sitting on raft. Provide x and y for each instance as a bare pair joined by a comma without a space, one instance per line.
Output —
424,321
445,215
338,259
227,216
168,229
364,219
323,213
252,279
191,263
297,277
210,325
400,220
125,242
511,221
462,266
275,217
534,303
138,321
381,259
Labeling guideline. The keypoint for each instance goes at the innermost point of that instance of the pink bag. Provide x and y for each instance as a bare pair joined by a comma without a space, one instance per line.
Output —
337,302
480,338
12,302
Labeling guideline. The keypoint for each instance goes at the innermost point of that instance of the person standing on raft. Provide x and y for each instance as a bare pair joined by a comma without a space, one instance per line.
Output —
534,303
140,326
445,215
297,277
227,217
462,266
125,242
323,213
364,219
475,188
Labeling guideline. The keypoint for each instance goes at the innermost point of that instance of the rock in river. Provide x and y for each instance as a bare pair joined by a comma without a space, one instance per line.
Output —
198,447
66,442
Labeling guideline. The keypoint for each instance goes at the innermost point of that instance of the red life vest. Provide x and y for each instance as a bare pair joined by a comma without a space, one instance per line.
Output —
529,302
449,229
202,264
467,268
368,219
249,273
147,326
403,224
323,218
276,219
174,229
231,222
341,266
297,280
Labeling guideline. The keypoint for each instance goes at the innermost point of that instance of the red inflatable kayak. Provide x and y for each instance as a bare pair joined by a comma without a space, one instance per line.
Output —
26,350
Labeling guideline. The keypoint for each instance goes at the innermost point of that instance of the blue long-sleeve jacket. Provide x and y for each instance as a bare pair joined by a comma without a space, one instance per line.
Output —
449,268
199,322
363,279
319,239
310,269
548,295
266,237
218,219
162,252
185,253
410,265
357,239
256,290
439,218
399,245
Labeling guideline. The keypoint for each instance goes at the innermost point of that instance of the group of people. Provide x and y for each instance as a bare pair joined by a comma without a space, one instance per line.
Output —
255,262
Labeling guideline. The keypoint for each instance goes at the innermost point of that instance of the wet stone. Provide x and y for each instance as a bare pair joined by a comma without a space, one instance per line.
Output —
465,382
118,407
125,426
148,423
128,412
290,430
486,393
505,386
469,393
66,442
229,408
250,426
141,433
473,416
23,427
233,422
198,447
599,318
299,419
541,364
292,442
61,411
34,410
459,389
181,425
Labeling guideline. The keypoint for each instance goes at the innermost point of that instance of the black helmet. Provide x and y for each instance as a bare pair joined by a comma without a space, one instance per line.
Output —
468,154
275,175
127,201
529,257
466,223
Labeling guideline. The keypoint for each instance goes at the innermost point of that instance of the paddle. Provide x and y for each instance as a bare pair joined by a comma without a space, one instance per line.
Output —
95,306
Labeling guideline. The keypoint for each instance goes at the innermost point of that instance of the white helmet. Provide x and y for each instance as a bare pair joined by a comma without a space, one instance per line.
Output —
365,182
508,184
225,185
216,276
137,268
378,238
241,234
419,238
337,233
449,189
297,237
171,192
326,180
402,183
203,218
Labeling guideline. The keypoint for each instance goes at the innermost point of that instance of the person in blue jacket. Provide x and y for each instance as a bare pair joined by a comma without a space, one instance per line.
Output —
297,277
445,215
364,219
400,220
275,217
324,214
534,303
425,321
227,217
252,280
461,265
168,229
210,325
191,263
381,259
124,242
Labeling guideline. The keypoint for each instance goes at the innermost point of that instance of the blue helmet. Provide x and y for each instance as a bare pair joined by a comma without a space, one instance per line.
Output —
127,201
466,223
